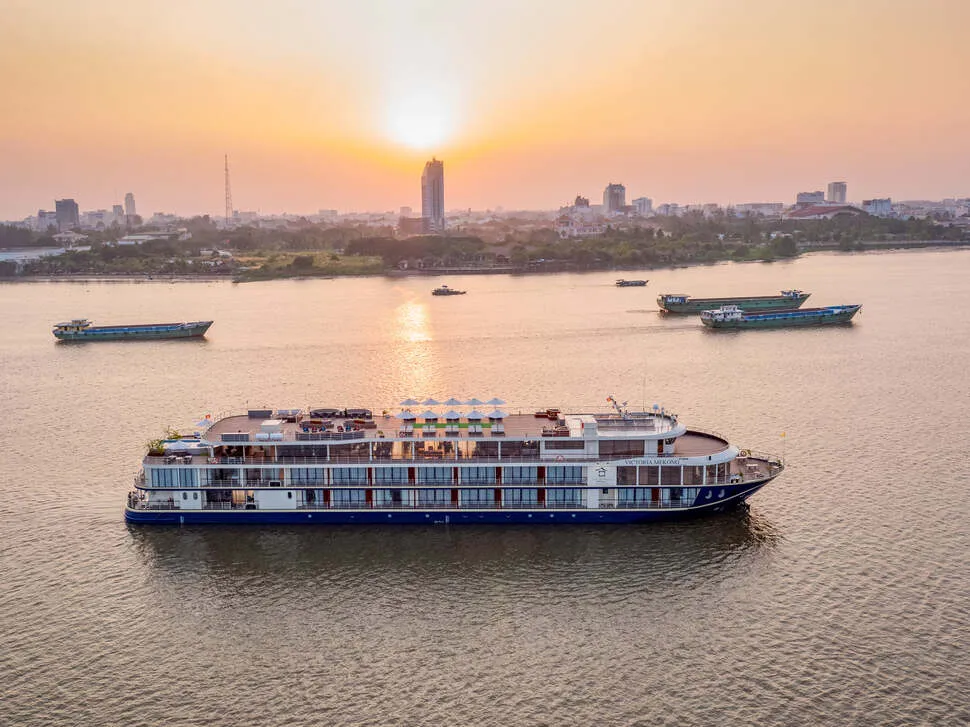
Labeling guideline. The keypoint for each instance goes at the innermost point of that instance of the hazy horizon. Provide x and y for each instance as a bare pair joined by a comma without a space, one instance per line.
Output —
324,105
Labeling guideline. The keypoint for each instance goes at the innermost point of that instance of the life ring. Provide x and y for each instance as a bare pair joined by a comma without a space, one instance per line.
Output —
744,453
560,458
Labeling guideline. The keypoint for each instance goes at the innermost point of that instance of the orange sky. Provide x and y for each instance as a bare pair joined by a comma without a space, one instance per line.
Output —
529,102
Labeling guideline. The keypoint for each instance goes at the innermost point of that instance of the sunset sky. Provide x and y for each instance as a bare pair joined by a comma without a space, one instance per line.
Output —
338,104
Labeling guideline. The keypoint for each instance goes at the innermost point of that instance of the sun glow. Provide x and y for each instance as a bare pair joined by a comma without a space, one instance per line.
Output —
420,121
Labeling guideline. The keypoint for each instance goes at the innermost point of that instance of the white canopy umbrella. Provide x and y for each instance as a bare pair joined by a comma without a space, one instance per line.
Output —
405,415
452,415
430,402
474,402
497,414
495,402
429,415
474,415
452,402
410,402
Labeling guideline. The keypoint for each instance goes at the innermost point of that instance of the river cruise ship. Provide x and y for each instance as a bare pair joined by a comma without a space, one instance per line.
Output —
335,465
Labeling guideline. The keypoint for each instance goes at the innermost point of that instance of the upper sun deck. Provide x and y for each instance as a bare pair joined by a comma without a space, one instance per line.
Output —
290,426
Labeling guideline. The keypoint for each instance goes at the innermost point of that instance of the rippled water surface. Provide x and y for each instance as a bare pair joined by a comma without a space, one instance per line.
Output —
839,597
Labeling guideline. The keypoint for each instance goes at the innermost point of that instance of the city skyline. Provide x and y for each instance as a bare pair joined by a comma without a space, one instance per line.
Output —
693,102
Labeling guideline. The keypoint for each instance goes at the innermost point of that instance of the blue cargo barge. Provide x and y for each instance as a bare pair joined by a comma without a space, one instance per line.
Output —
80,329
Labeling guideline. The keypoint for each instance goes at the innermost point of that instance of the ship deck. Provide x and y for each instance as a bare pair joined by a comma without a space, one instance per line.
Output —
514,426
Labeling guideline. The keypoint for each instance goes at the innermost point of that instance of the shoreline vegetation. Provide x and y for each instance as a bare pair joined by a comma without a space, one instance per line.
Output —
251,254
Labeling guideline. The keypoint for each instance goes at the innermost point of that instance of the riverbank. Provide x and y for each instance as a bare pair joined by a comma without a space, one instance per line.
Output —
535,268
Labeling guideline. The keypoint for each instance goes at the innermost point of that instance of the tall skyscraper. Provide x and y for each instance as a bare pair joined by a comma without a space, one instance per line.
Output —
614,198
837,192
433,196
68,215
130,207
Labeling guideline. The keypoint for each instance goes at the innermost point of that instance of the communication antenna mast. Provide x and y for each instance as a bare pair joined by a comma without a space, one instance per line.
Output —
228,194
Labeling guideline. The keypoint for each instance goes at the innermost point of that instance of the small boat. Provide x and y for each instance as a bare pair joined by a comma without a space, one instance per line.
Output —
80,329
679,303
445,290
621,283
731,316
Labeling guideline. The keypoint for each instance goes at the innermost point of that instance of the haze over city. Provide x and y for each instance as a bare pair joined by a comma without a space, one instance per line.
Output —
336,105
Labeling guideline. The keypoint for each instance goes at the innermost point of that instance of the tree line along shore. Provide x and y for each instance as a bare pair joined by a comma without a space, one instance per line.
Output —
306,249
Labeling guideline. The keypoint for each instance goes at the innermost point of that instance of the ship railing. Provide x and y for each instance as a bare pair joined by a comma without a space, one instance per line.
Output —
708,432
555,458
772,460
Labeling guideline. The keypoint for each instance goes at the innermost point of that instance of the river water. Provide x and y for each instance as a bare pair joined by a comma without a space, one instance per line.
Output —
841,596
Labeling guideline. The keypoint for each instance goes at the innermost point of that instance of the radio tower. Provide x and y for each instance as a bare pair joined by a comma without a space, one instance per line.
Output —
228,194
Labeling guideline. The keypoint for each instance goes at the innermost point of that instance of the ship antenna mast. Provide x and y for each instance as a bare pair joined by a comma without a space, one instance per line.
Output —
228,194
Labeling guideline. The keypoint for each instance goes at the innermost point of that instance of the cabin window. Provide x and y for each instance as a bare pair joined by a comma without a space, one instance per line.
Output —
349,476
670,475
621,448
477,475
173,477
633,496
519,475
650,475
308,475
349,498
300,451
520,496
564,475
431,475
564,496
391,475
434,496
564,444
626,475
478,497
391,498
185,495
516,449
693,475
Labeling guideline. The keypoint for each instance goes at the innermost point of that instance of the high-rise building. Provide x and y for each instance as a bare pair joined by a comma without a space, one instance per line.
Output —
614,198
836,192
810,198
46,220
643,206
581,201
878,207
130,207
433,196
68,215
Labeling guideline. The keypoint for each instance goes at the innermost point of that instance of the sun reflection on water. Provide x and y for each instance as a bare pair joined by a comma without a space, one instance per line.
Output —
413,323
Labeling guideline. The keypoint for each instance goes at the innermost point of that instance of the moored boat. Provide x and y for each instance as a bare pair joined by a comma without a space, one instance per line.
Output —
732,316
617,466
445,290
80,329
679,303
621,283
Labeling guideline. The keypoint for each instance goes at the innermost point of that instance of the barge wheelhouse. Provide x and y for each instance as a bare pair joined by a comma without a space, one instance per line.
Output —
347,466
